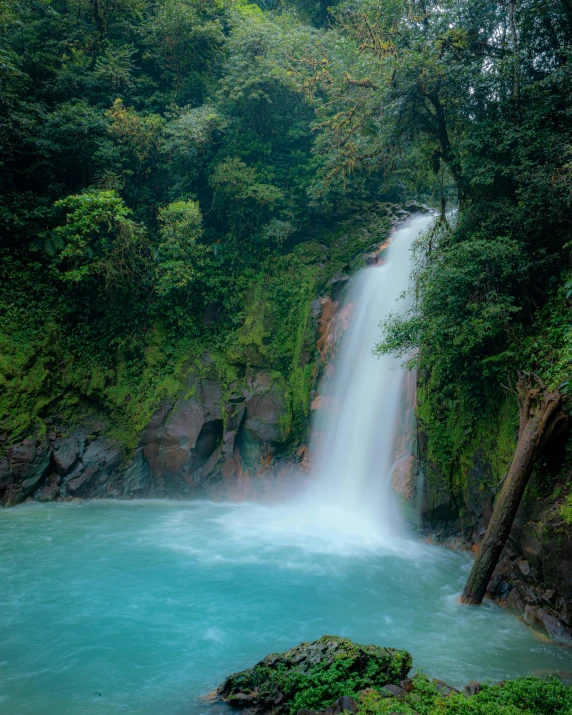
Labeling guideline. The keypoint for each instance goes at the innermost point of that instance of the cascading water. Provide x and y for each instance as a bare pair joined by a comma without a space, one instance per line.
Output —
354,435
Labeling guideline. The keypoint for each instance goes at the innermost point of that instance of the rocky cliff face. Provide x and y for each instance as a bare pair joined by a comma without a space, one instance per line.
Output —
203,443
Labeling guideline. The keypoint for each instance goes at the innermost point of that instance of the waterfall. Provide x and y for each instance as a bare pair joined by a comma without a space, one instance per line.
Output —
354,435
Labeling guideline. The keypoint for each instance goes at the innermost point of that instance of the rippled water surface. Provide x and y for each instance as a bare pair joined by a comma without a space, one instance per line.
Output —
142,607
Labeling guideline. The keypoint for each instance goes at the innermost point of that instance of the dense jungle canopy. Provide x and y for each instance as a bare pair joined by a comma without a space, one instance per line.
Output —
177,175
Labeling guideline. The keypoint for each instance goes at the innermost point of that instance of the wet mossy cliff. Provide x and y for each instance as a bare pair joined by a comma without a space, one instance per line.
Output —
201,416
463,462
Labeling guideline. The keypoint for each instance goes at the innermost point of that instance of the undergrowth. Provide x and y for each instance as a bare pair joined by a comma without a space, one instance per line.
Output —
523,696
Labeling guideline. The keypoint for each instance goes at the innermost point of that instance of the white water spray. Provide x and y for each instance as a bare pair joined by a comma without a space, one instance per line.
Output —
354,436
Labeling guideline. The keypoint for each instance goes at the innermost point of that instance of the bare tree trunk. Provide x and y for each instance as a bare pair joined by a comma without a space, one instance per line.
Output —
540,410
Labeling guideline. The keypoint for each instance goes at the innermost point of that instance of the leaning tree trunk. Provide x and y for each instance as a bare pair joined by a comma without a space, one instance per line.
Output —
540,410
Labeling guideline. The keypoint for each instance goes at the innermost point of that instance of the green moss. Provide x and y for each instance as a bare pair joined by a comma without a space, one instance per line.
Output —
493,437
457,434
524,696
313,675
48,370
565,509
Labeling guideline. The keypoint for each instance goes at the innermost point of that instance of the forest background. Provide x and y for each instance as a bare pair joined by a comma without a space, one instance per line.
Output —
182,176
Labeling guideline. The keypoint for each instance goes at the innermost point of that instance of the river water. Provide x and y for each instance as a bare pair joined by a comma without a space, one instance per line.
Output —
145,606
142,607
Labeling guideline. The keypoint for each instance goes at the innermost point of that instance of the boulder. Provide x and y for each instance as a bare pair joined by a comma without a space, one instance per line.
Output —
443,688
67,452
314,676
24,468
134,478
96,466
168,446
263,416
345,704
472,688
393,691
50,491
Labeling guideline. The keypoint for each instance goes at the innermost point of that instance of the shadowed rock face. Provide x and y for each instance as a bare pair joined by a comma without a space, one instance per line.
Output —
67,452
91,474
23,469
313,675
534,575
190,447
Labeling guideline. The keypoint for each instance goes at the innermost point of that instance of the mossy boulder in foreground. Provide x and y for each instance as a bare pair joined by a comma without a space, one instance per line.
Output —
333,676
313,675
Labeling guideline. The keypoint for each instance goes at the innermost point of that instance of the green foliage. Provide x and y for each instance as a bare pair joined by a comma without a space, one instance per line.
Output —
490,297
524,696
102,244
313,675
178,254
466,306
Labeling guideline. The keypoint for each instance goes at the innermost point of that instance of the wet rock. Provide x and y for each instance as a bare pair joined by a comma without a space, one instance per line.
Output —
539,619
5,474
341,705
393,691
187,446
274,682
263,416
168,446
22,454
241,700
50,491
134,480
95,467
24,468
67,452
345,704
443,688
472,688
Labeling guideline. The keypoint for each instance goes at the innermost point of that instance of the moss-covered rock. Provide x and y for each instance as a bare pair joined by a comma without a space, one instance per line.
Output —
314,675
523,696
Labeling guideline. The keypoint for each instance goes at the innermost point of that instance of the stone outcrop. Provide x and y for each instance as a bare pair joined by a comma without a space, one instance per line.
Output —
333,675
201,444
23,469
315,674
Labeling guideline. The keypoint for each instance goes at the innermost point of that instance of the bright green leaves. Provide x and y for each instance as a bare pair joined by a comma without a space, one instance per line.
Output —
467,297
138,134
179,255
103,246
